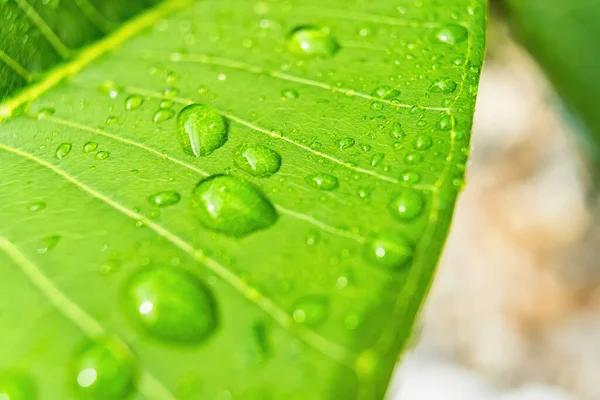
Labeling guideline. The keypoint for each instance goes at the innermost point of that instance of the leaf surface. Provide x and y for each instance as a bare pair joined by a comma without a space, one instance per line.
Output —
274,240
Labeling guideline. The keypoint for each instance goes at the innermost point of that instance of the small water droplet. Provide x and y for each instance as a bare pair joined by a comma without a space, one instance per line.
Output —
166,104
377,105
90,146
423,142
407,205
110,89
162,115
451,34
257,160
322,181
410,177
377,159
201,130
389,250
413,158
48,243
445,123
133,102
313,41
311,310
62,150
112,120
385,92
16,385
397,132
289,94
45,112
171,92
102,155
37,206
164,198
345,143
443,85
103,370
171,305
229,205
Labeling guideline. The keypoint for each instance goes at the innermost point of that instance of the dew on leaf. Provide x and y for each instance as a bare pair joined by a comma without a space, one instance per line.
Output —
62,150
397,132
171,92
445,123
389,250
312,41
443,85
102,155
112,120
322,181
162,115
103,370
45,112
423,142
345,143
90,146
451,34
377,105
406,206
166,104
201,130
110,89
164,198
289,94
231,206
385,92
377,159
171,305
257,160
311,310
133,102
413,158
37,206
48,243
16,385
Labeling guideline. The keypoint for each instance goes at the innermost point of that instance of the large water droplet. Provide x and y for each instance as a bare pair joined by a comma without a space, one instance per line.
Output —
90,146
445,123
229,205
103,370
311,310
172,305
443,85
322,181
423,142
313,41
164,198
201,130
389,250
451,34
407,205
133,102
61,151
257,160
15,385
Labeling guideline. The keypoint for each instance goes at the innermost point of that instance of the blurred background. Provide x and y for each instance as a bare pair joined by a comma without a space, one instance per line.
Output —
514,313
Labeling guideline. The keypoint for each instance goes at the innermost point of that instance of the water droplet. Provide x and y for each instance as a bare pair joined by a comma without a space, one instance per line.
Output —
316,145
172,305
443,85
62,150
166,104
389,250
289,94
48,243
377,106
162,115
407,205
451,34
112,120
90,146
45,112
312,40
229,205
445,123
311,310
257,160
385,92
410,177
37,206
109,88
423,142
102,155
16,385
345,143
133,102
201,130
397,132
103,370
171,92
164,198
322,181
377,159
413,158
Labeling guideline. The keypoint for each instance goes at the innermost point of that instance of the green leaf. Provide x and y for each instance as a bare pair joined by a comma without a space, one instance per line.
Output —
562,36
274,241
